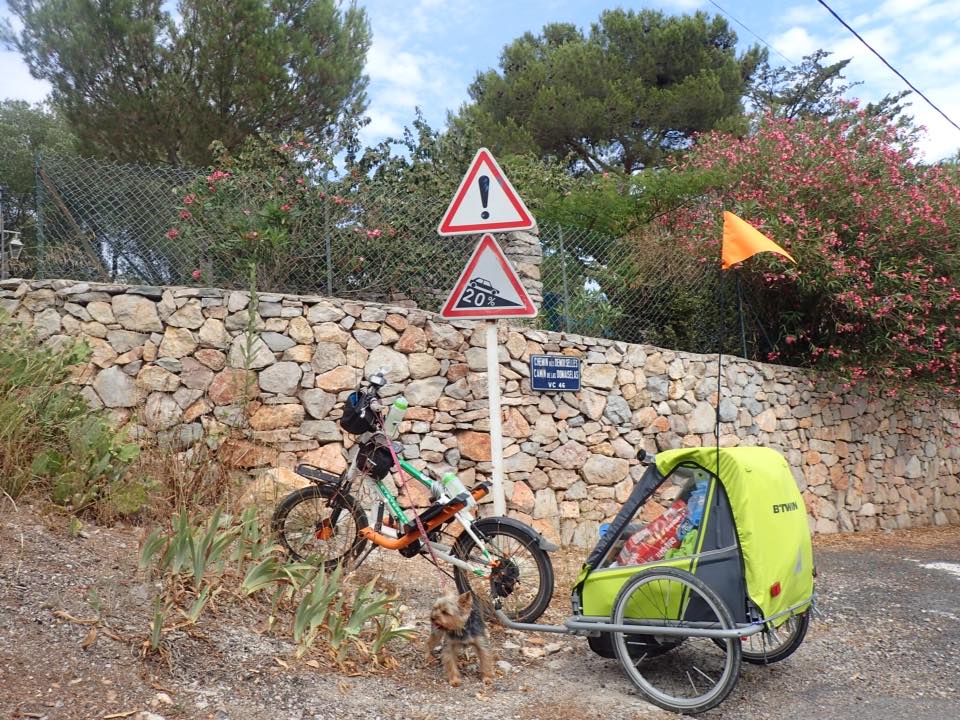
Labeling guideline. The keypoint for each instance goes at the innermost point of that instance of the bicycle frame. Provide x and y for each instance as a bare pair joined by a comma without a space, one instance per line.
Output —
454,510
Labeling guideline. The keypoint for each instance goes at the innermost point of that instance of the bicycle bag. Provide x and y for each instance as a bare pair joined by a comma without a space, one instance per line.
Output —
358,417
374,460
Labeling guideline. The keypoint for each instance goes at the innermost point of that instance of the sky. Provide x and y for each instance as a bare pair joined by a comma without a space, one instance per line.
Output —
425,53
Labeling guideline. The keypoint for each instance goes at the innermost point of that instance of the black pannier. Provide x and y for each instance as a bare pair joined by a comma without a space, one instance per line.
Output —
358,417
375,460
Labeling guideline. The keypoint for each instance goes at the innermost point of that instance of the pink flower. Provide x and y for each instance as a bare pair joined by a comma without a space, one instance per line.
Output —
196,274
374,233
286,207
185,215
190,199
173,233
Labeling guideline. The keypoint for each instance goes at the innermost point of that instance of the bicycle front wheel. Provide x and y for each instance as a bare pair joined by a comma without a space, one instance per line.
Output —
520,574
320,521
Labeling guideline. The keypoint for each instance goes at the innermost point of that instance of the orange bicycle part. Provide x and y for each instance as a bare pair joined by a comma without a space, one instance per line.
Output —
409,538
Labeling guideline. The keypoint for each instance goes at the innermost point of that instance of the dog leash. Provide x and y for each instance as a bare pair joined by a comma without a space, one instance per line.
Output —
416,516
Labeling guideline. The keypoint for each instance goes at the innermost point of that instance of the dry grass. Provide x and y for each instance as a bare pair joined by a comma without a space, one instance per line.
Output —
192,479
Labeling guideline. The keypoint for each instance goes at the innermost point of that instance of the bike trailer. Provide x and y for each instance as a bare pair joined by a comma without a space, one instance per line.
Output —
753,544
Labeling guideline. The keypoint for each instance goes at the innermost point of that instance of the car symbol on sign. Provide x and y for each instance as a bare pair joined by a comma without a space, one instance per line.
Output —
483,285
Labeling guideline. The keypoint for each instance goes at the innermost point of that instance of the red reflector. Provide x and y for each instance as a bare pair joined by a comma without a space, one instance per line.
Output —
775,589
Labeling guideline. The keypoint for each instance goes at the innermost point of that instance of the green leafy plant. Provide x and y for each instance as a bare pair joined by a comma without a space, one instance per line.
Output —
198,560
50,439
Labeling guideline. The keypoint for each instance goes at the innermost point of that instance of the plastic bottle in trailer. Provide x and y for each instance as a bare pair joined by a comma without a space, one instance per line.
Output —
653,540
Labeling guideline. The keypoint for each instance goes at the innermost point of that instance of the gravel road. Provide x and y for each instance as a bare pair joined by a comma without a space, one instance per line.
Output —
886,647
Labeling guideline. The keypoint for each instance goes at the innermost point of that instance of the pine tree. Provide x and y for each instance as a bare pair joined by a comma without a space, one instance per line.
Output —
621,97
137,85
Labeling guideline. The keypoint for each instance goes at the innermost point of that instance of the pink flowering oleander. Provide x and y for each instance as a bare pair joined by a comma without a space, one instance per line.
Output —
872,231
217,175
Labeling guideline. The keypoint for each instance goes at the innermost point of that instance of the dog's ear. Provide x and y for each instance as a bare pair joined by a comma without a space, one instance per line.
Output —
465,601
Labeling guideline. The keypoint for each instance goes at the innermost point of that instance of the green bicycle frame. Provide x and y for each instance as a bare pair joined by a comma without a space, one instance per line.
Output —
392,504
401,517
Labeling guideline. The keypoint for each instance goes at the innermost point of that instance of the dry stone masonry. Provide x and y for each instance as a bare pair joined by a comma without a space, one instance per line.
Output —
175,365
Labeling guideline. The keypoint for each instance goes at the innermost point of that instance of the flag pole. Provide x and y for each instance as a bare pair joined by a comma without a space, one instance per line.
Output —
740,241
719,362
743,328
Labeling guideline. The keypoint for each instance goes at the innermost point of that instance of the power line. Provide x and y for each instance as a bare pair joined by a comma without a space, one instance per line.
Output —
741,24
884,61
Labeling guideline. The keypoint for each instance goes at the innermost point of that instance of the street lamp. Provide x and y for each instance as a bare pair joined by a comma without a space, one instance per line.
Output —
9,250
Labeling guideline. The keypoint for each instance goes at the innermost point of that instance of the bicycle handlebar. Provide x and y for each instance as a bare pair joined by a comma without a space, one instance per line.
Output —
646,458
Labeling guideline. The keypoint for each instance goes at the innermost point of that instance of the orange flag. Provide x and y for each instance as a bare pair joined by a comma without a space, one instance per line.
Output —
742,240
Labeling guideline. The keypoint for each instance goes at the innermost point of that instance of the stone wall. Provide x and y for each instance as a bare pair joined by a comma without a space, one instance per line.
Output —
169,363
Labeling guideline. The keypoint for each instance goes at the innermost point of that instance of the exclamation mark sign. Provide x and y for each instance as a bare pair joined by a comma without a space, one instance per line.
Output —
484,183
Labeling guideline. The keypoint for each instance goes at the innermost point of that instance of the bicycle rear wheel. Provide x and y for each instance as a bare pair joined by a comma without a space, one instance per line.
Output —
320,521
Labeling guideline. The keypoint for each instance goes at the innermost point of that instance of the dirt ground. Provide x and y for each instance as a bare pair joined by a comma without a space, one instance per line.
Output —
887,644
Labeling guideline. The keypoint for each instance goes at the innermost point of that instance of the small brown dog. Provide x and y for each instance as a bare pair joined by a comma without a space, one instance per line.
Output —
457,623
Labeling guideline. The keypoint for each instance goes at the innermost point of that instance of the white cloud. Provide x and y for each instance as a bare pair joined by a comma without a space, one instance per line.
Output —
940,139
795,43
387,65
912,36
18,84
406,68
381,125
681,5
897,8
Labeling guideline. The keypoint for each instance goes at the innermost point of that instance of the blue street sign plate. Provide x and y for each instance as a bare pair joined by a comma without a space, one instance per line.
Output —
554,373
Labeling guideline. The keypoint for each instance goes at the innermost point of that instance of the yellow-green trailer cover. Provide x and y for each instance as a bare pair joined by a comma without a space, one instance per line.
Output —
770,518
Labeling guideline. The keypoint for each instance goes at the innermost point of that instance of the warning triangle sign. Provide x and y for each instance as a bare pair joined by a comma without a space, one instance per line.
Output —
488,288
485,202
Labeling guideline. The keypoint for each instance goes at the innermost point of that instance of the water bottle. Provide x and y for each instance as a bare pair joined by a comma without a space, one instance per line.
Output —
438,492
655,539
696,503
695,506
391,424
455,489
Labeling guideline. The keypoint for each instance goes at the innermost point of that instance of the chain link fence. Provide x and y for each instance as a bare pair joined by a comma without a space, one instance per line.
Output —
106,222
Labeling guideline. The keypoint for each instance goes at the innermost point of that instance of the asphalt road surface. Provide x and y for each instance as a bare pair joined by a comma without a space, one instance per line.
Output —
886,645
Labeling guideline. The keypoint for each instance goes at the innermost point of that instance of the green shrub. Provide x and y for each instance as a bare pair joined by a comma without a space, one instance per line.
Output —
222,557
51,441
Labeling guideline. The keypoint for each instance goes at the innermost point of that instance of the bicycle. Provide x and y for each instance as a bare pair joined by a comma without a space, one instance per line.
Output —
499,559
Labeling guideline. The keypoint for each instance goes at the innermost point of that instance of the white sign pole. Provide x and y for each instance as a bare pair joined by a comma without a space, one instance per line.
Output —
496,419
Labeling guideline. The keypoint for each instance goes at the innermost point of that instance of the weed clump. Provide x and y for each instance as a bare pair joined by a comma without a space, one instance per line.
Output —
51,441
